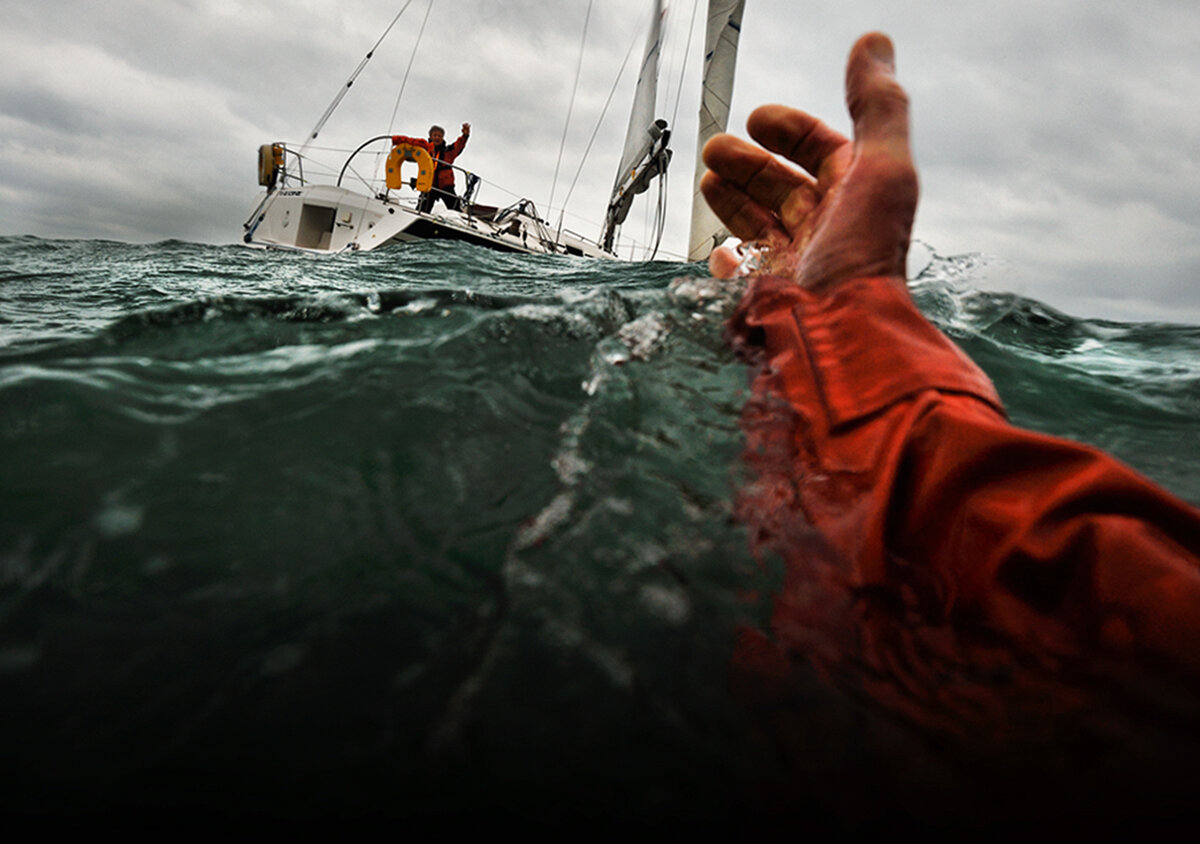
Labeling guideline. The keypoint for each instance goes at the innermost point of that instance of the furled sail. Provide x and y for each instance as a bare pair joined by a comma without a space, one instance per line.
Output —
646,154
720,59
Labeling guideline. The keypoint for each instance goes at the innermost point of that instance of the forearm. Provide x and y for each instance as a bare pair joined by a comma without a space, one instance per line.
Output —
880,442
1047,539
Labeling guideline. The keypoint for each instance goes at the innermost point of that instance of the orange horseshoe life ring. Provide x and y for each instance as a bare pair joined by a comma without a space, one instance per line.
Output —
270,162
409,151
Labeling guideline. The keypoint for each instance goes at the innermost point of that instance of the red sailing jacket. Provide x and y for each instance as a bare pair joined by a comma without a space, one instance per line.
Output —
443,174
927,542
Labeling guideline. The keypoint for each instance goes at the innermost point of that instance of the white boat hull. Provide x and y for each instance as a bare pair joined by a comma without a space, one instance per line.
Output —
327,219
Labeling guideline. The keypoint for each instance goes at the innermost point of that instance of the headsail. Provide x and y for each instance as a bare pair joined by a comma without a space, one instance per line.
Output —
720,59
644,98
645,155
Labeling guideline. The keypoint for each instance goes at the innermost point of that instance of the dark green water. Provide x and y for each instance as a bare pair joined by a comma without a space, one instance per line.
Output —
435,535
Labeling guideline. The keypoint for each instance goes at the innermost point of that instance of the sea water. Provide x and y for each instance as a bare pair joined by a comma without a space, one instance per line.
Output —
441,535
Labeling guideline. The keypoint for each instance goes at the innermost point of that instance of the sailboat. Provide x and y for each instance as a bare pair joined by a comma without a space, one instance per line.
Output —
294,213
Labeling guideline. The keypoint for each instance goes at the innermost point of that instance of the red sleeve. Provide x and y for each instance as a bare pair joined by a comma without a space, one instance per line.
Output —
890,482
455,149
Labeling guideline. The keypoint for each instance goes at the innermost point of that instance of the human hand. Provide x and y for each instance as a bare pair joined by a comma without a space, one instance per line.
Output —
850,213
466,128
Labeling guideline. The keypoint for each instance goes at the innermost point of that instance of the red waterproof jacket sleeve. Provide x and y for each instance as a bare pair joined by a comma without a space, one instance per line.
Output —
885,467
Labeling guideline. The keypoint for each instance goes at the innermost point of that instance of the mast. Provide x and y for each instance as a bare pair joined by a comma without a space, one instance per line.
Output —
720,59
645,154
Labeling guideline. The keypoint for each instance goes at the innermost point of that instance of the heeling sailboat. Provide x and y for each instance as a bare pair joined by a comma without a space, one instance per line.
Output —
297,214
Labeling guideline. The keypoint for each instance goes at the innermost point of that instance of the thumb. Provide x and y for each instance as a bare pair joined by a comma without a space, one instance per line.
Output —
878,105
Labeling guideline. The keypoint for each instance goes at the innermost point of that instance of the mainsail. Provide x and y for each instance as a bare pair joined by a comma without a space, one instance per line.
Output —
646,154
720,59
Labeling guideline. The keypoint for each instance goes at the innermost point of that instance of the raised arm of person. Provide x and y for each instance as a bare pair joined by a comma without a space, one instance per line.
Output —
461,143
916,523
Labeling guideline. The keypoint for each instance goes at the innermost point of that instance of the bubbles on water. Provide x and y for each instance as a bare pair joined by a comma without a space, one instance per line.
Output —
671,604
612,353
711,295
644,335
570,466
543,524
418,306
920,257
116,520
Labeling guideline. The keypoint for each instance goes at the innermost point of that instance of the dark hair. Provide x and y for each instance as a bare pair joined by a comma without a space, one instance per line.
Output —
436,128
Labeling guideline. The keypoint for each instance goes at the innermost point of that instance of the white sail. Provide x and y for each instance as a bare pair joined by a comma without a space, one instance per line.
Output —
646,154
642,115
720,59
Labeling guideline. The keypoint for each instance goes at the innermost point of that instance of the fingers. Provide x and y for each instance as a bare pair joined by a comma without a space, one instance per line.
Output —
878,105
755,188
723,262
801,138
743,215
757,173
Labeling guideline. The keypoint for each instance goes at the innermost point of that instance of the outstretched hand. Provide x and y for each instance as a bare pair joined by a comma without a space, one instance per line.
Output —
849,214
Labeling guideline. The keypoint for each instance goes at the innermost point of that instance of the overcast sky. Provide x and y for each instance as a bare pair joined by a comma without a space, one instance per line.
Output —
1060,139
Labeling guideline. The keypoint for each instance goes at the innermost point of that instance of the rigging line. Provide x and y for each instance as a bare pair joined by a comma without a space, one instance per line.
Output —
349,82
403,82
687,51
411,58
570,108
660,213
603,112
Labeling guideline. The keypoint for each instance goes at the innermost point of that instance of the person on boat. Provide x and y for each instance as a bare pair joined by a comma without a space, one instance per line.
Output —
936,556
443,174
